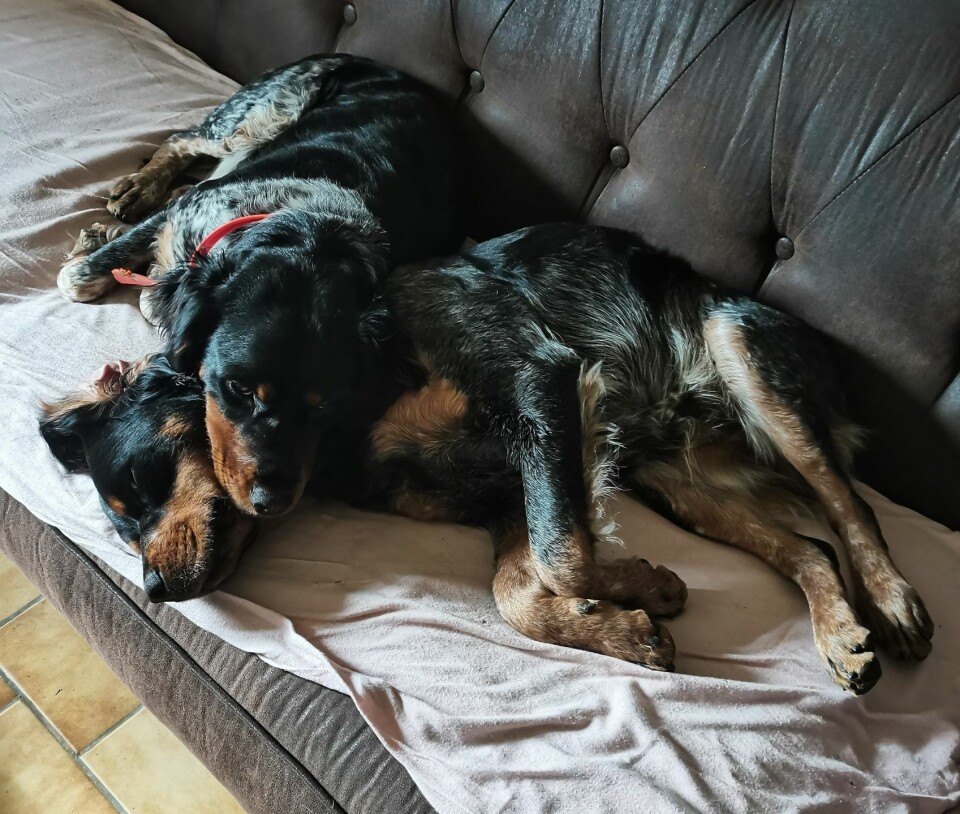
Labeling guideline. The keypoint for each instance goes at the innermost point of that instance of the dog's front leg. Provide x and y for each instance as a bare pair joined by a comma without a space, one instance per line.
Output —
88,276
548,580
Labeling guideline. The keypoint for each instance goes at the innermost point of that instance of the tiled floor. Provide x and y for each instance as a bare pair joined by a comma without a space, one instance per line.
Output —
73,739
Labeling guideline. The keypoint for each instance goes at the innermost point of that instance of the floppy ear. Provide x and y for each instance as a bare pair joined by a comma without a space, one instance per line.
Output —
189,332
359,247
62,426
188,311
375,323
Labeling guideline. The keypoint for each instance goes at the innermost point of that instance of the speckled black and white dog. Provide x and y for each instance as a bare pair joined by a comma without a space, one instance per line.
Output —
549,361
347,167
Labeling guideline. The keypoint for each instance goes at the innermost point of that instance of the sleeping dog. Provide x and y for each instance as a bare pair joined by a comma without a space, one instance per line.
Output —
561,359
541,369
139,433
330,171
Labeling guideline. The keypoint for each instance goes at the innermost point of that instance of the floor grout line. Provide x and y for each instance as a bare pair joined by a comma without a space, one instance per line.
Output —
9,704
110,730
20,611
71,753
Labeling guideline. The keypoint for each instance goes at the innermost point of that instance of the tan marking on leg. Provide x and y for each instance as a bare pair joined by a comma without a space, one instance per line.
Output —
177,192
164,259
418,506
428,418
730,518
629,581
164,255
233,464
894,609
600,446
583,623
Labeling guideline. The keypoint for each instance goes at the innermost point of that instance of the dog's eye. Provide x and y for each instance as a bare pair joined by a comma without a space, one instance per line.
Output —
238,390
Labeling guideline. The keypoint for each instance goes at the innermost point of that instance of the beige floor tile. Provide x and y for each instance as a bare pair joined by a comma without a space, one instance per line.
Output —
62,675
138,763
37,775
15,589
6,694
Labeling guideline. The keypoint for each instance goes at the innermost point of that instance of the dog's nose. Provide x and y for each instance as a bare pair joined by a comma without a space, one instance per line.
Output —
154,585
271,500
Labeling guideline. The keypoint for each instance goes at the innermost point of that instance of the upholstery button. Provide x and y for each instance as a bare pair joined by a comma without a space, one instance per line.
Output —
349,14
476,81
619,157
784,248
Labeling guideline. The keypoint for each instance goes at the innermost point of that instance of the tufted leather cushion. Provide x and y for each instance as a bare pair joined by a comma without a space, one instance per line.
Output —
805,152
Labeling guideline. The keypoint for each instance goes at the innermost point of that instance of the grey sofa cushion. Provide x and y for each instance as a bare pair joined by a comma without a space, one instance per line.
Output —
806,152
278,742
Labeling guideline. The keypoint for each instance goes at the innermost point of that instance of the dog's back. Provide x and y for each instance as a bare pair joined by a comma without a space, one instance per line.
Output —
373,129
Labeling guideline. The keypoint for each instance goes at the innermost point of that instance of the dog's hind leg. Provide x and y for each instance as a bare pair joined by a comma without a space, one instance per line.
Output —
582,622
530,391
145,191
730,516
86,274
253,116
775,374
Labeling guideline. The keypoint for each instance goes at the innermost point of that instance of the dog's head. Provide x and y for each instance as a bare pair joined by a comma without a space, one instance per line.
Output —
281,327
139,433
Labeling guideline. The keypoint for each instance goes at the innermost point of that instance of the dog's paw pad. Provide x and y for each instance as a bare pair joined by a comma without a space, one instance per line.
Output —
79,282
897,616
848,651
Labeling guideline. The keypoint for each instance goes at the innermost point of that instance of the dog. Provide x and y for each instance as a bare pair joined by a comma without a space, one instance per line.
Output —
139,432
560,361
262,278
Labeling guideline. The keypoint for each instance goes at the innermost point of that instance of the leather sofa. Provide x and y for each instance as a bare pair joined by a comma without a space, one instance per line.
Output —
808,153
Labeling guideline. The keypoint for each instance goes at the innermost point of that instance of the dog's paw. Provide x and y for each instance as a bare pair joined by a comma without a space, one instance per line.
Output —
630,635
148,307
134,196
896,615
635,583
848,652
80,281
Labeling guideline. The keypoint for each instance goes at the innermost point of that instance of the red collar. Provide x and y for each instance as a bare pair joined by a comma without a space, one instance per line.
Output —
127,277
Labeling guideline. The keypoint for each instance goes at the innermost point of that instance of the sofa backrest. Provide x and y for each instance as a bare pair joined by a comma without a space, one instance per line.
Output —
807,153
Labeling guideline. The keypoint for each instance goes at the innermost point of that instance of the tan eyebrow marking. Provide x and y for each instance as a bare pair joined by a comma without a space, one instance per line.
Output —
174,426
313,399
265,392
117,505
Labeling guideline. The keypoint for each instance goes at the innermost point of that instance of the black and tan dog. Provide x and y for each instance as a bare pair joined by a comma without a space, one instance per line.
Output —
563,358
331,170
540,369
139,432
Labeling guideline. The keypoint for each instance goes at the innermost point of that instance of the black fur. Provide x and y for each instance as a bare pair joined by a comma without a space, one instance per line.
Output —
356,164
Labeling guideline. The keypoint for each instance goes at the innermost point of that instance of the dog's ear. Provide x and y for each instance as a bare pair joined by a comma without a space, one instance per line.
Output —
189,332
375,323
360,248
188,311
63,424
